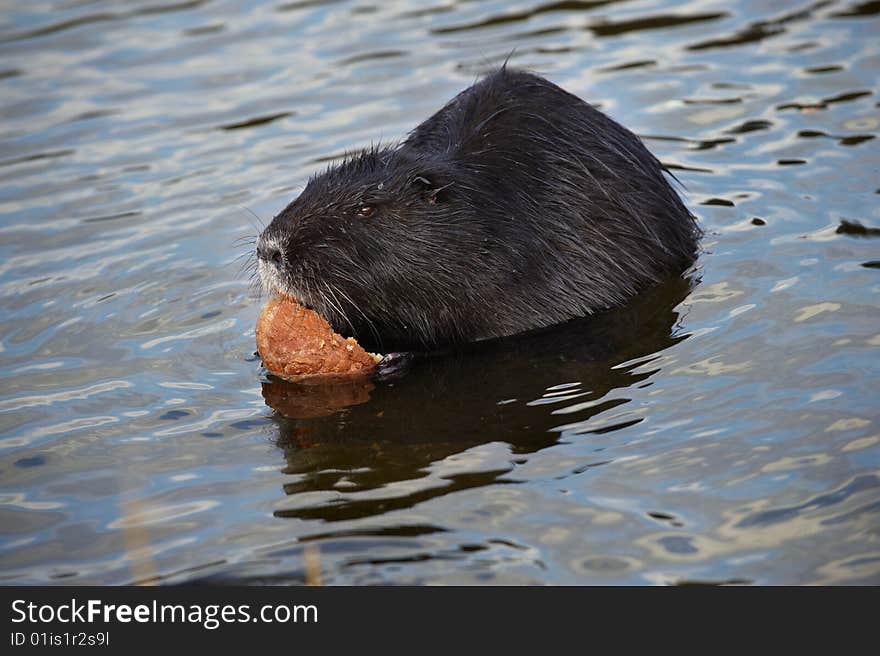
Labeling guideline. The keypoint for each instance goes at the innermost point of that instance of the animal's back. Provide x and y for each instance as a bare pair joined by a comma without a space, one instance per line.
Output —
580,212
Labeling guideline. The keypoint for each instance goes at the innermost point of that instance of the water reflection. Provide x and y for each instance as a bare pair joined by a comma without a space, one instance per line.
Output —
504,391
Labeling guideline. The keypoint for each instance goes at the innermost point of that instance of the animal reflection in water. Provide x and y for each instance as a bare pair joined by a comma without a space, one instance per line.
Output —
444,404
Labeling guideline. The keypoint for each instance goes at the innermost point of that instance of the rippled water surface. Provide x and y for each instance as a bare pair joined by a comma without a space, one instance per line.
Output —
724,429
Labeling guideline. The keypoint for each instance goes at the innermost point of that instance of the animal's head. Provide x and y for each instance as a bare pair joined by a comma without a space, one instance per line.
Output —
377,245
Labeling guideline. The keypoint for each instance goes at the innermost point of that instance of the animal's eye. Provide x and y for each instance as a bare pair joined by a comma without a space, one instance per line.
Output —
366,211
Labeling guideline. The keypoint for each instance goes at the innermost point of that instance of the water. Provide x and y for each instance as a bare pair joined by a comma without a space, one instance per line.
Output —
724,429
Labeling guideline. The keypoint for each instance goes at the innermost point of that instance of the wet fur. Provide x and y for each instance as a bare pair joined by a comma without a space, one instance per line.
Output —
516,206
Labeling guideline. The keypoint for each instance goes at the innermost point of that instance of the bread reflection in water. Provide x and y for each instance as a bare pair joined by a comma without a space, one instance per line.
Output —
313,399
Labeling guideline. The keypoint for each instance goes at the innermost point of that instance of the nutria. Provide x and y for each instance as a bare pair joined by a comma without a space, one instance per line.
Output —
516,206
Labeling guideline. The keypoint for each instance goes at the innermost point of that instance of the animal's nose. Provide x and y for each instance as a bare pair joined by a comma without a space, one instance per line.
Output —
269,252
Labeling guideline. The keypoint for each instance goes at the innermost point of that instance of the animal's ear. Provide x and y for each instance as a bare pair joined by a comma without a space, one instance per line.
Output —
431,186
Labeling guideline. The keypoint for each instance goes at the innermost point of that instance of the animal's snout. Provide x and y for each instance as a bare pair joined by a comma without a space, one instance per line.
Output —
271,262
269,251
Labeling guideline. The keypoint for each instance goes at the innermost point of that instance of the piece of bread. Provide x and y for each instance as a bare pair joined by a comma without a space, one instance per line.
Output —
296,343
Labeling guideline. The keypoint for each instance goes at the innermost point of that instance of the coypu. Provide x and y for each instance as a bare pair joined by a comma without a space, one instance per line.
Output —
516,206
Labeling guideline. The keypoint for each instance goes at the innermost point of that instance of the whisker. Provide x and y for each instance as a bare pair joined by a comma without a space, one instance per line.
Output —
246,240
261,225
369,321
338,307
